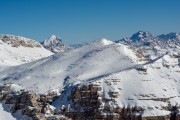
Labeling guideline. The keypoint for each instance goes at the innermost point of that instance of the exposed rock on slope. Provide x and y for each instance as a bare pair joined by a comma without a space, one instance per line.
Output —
149,45
16,41
169,41
15,50
27,102
139,39
82,102
54,44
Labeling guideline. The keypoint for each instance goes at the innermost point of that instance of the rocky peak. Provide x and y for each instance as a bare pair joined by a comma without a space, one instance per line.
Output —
54,44
138,39
16,41
141,36
53,41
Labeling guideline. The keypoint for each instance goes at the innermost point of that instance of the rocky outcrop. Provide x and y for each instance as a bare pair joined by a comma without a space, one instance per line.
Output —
86,102
16,41
54,44
30,104
3,91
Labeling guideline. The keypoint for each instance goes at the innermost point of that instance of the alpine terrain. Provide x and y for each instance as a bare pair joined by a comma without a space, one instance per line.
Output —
16,50
135,78
54,44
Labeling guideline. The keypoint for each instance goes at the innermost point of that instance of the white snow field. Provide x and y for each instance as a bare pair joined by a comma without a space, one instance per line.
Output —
5,115
11,55
90,61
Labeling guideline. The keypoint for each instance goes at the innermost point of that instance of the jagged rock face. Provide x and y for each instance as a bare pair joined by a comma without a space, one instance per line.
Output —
171,40
16,41
48,98
28,103
145,37
54,44
86,102
139,39
3,91
141,36
149,45
25,101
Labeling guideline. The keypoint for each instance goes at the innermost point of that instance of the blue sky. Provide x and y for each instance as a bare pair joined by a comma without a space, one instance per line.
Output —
79,21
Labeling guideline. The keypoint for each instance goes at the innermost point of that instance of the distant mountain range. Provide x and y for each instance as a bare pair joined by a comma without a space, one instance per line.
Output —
146,38
148,45
141,40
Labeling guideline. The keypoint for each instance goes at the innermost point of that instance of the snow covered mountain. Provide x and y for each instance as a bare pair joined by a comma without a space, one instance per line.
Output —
101,80
81,63
170,40
139,39
16,50
149,45
54,44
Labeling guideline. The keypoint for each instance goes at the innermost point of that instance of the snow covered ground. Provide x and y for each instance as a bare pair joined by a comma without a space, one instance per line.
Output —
90,61
5,115
11,56
15,55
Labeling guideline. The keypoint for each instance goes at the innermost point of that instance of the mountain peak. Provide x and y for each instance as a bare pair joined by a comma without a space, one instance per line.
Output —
54,44
53,37
141,35
53,40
